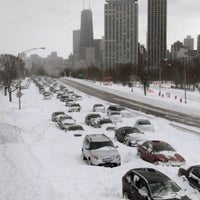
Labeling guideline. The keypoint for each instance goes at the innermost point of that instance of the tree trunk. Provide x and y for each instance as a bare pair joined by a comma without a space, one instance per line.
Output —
5,91
10,96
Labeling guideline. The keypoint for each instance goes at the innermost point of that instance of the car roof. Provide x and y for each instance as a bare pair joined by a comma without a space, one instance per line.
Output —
98,138
151,175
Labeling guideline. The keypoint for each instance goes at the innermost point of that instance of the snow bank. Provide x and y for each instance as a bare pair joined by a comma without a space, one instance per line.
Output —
9,134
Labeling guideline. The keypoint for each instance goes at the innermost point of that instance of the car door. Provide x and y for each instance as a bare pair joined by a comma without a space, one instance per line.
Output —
129,187
136,184
146,151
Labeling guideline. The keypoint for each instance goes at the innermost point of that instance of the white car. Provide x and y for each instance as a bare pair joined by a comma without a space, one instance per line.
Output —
99,108
74,107
144,124
99,150
65,123
102,122
115,116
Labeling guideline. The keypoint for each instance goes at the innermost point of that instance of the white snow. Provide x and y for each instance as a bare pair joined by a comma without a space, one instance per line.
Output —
39,161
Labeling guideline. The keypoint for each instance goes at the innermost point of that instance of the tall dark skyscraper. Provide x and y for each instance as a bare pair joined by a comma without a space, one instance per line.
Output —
198,44
156,33
121,32
86,32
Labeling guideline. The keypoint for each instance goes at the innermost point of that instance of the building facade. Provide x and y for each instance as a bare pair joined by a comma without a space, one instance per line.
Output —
176,48
121,32
86,33
76,45
156,33
189,42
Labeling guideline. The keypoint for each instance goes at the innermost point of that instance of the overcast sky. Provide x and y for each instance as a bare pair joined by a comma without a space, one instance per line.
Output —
26,24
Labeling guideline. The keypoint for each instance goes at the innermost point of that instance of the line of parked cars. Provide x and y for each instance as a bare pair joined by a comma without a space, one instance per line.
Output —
99,149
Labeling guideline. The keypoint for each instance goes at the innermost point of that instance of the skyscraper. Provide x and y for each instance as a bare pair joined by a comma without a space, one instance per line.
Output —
121,32
86,32
198,44
189,42
76,44
156,33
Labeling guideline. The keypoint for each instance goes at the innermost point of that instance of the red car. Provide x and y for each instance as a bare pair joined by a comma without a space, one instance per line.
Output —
159,152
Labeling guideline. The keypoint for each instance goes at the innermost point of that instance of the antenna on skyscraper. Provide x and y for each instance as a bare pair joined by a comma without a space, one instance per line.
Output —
83,4
89,5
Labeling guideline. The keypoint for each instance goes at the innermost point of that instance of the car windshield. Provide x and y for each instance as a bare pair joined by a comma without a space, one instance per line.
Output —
144,122
98,145
94,116
131,130
162,147
75,128
105,121
160,189
120,108
98,105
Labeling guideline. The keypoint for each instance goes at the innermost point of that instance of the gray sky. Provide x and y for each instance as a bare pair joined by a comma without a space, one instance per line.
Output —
26,24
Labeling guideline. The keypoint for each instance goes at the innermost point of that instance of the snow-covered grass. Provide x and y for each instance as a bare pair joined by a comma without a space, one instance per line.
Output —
39,161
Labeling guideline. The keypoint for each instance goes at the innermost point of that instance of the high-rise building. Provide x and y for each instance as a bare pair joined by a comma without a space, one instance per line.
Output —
156,33
198,44
86,32
121,32
189,42
76,45
176,48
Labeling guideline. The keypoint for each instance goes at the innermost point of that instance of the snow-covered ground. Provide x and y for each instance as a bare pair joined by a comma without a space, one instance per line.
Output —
39,161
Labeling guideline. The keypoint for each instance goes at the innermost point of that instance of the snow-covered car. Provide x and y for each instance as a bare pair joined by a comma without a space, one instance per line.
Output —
63,117
91,117
99,108
74,107
150,184
129,135
65,123
144,125
192,175
56,115
102,122
99,150
115,116
159,152
68,102
124,112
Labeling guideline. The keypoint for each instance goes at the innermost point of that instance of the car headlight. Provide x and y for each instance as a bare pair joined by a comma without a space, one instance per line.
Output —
117,156
95,156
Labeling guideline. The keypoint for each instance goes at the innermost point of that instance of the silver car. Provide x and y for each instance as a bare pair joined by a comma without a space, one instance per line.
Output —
99,150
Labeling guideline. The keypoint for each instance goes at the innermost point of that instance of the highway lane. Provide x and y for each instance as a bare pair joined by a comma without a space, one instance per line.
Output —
138,106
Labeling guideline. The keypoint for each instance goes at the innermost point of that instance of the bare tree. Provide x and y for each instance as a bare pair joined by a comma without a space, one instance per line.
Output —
12,69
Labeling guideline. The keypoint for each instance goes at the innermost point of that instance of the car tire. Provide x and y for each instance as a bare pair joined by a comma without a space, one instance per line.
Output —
89,161
83,156
125,195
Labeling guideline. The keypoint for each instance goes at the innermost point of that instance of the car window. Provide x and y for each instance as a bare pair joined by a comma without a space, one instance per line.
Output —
163,188
162,147
196,172
97,145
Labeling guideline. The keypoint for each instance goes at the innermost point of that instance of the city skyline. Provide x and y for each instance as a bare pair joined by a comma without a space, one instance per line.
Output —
48,23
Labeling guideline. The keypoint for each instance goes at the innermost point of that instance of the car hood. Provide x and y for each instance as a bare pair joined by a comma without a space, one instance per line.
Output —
169,156
146,128
173,196
105,151
135,137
